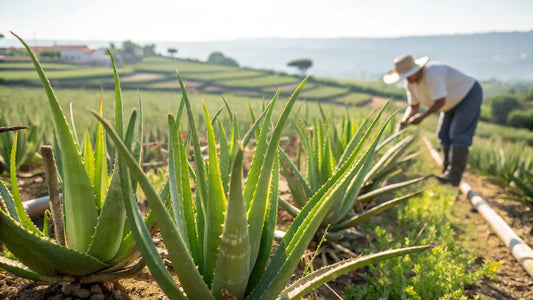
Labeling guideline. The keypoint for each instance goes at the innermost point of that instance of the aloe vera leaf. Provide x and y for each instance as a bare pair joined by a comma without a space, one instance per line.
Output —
355,186
118,98
215,116
8,200
15,267
312,281
47,216
21,212
78,194
258,157
182,262
390,156
296,239
109,228
201,180
289,208
256,122
302,230
100,161
360,218
363,198
355,139
233,259
267,238
299,187
174,179
189,207
216,206
257,210
42,255
225,166
88,156
73,124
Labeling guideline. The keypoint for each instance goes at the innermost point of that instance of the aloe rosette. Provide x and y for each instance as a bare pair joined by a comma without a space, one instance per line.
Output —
220,238
327,150
96,243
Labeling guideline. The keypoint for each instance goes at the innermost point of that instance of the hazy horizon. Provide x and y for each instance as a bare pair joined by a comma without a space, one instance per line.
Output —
211,20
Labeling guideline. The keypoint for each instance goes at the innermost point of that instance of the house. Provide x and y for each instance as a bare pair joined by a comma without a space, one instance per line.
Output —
77,54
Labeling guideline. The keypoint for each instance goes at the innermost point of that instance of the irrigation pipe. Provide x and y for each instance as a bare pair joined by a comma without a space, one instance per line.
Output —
36,207
519,249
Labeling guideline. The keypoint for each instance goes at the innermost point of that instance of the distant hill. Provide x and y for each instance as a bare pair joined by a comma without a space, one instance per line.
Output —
501,55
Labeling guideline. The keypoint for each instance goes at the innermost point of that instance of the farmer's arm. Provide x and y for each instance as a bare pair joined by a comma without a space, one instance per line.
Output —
418,117
411,110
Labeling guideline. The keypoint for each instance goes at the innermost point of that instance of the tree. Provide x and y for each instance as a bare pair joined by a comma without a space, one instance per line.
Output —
172,51
521,119
502,105
302,64
219,59
149,50
1,35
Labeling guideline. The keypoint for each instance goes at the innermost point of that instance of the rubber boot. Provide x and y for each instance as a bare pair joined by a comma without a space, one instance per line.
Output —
457,165
459,158
446,159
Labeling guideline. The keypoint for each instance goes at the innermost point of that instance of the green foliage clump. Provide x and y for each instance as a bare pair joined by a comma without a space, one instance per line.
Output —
521,119
442,273
502,106
218,58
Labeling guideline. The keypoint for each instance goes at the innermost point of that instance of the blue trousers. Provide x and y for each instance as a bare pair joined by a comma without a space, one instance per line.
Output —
457,126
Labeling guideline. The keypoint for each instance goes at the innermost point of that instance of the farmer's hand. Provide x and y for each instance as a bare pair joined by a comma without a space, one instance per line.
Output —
401,125
416,119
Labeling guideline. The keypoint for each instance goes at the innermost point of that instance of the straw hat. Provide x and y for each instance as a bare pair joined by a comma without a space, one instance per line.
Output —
404,66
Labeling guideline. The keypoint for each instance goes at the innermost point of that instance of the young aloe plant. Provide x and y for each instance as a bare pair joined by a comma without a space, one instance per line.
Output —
327,153
220,243
96,243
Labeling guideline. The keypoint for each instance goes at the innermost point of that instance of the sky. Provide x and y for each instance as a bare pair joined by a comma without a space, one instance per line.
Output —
215,20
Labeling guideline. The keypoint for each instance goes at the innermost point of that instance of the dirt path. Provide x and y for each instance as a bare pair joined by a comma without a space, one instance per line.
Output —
512,281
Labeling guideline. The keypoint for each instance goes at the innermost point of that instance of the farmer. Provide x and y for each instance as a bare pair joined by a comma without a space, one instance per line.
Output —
441,88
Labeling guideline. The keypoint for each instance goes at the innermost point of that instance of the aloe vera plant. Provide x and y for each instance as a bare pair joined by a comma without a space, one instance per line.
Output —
220,238
96,243
326,154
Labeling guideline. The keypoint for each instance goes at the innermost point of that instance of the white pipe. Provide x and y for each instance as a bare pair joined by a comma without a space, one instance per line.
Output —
36,207
519,249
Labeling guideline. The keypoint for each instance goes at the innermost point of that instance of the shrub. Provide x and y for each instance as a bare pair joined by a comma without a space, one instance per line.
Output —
522,119
502,105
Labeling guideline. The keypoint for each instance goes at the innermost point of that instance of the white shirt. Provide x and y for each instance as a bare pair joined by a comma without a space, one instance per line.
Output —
439,81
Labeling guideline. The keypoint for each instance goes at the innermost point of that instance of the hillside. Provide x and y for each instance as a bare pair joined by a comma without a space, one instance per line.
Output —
502,56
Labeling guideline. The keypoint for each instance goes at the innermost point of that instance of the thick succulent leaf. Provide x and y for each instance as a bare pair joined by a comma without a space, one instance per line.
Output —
109,229
360,218
258,205
174,180
216,206
225,166
302,230
100,162
88,156
233,261
299,187
15,267
42,255
21,212
364,198
314,280
78,195
183,264
8,200
259,156
267,238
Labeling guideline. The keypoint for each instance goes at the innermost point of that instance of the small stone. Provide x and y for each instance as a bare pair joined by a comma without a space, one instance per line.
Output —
58,297
38,180
68,298
82,293
117,294
67,290
96,289
97,297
